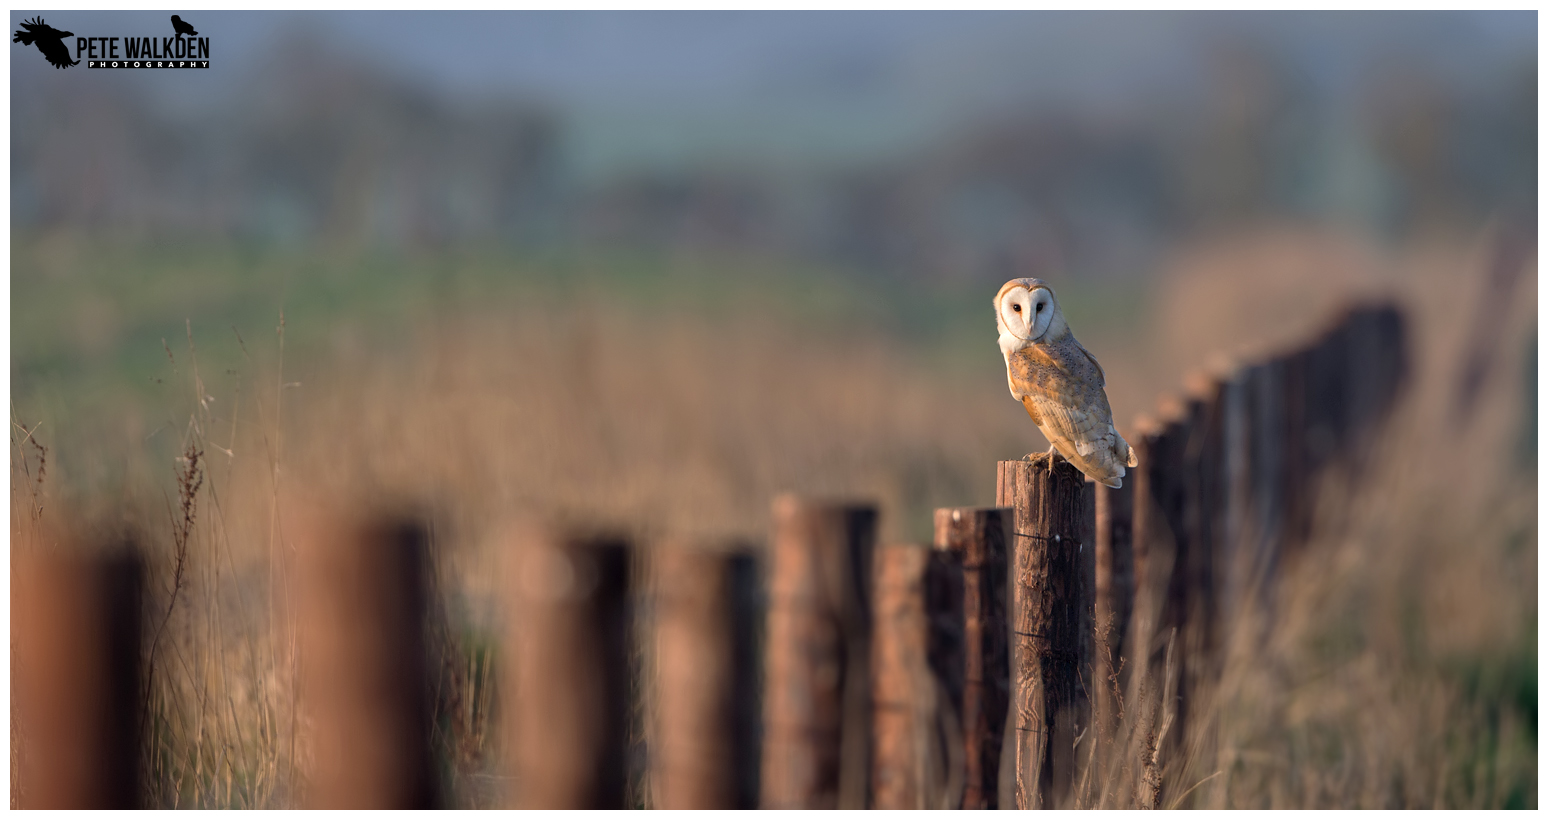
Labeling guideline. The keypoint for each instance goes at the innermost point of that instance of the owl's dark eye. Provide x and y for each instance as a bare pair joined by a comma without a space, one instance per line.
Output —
1016,308
1039,307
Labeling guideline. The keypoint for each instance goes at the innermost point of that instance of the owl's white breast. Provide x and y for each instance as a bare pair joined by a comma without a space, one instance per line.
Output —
1010,343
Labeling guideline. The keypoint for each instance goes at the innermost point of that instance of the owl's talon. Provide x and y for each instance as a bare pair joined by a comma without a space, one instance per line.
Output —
1053,453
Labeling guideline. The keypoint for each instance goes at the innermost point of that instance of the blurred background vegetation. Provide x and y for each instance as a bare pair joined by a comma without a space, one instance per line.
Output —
654,267
881,169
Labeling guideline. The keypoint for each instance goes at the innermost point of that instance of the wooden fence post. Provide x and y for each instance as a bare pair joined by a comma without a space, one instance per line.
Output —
1376,370
1155,561
75,627
1266,420
704,753
1176,565
1143,620
946,616
978,535
1327,397
1296,475
1364,377
1049,709
916,757
567,645
1085,555
1231,551
1114,603
817,692
1204,470
1391,336
360,618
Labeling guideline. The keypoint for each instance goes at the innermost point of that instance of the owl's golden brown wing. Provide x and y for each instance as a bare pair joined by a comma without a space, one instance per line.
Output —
1061,388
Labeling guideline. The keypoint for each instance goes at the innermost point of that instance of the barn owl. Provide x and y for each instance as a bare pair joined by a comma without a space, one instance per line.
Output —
1058,382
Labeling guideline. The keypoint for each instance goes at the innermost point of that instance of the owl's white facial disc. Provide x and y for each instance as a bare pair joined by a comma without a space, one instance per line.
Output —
1027,313
1013,311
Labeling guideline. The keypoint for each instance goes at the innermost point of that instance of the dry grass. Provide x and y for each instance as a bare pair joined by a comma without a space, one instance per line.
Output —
1399,663
1391,663
1377,685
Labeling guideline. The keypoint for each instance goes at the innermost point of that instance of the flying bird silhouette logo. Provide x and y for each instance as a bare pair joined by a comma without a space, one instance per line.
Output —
49,40
182,28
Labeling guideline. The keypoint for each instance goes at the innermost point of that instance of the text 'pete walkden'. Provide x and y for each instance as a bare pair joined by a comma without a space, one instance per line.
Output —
144,52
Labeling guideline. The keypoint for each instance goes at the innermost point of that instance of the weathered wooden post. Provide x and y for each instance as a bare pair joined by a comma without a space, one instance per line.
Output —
1236,495
1204,472
1266,421
360,628
978,535
1296,469
1086,555
704,753
75,639
1048,600
1363,371
1376,369
1157,528
1144,618
1204,461
917,617
816,726
1114,601
946,616
1327,397
1391,335
567,645
1178,550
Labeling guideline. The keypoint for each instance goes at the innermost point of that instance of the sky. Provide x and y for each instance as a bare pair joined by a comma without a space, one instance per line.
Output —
675,87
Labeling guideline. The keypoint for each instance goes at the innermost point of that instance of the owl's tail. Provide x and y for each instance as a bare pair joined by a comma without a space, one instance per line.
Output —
1129,457
1114,471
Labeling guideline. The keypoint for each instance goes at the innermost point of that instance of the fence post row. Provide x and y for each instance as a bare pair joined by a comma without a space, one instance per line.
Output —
1026,626
1224,495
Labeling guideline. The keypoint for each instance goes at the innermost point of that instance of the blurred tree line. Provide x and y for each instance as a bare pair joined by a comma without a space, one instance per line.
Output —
318,148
